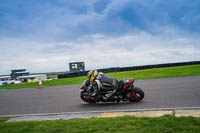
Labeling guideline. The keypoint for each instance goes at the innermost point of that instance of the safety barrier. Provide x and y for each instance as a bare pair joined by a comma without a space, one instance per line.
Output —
118,69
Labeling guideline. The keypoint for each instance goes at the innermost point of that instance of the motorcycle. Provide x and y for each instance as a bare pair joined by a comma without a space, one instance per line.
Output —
126,91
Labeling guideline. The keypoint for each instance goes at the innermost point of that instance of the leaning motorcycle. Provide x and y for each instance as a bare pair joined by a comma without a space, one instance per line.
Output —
126,92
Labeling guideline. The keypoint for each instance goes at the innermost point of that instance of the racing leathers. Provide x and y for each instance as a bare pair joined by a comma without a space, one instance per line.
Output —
110,85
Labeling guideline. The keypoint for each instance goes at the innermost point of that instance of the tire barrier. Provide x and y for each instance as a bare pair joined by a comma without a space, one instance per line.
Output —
121,69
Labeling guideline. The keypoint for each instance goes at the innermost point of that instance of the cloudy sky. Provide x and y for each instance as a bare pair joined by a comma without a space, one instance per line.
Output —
45,35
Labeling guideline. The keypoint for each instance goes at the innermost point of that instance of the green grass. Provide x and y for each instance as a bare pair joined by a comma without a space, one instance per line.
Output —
58,82
126,124
182,71
3,119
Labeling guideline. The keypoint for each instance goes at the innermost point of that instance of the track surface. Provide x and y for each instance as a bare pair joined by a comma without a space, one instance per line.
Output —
159,93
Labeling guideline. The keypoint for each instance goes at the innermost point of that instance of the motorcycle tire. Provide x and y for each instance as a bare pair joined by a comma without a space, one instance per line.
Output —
88,100
135,95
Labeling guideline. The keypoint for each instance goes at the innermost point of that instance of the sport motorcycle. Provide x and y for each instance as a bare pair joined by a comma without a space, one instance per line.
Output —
126,91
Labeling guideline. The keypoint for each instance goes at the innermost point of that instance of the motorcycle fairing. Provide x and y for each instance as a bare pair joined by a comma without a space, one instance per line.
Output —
127,82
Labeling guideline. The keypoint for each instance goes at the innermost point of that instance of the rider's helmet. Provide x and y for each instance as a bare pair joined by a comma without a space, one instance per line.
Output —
92,75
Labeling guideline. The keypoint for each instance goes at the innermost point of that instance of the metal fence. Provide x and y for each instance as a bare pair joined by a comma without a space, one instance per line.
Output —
121,69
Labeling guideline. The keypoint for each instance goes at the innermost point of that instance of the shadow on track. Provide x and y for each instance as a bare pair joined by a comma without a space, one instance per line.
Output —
102,105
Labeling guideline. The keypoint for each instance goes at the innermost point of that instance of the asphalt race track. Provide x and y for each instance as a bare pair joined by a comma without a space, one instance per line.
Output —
159,93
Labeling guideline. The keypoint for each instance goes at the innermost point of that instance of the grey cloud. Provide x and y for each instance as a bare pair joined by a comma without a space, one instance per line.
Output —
99,51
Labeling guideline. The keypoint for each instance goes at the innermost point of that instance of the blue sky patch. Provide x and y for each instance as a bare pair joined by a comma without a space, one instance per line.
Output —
129,26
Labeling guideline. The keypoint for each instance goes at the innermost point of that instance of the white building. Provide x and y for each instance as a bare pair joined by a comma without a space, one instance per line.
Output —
5,78
32,77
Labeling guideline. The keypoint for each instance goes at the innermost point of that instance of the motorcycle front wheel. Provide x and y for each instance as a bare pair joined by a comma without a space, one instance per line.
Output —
135,94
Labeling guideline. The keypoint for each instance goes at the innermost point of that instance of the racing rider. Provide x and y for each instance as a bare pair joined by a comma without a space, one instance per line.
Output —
98,80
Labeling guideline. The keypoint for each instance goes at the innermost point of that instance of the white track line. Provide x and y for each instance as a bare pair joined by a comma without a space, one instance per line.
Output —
105,111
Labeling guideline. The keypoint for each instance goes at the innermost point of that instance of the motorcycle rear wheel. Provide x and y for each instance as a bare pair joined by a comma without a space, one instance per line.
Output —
135,95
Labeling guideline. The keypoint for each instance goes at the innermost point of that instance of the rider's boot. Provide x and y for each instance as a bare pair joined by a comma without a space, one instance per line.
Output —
109,95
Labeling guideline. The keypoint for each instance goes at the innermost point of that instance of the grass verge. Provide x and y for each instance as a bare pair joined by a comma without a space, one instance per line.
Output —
4,119
182,71
126,124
